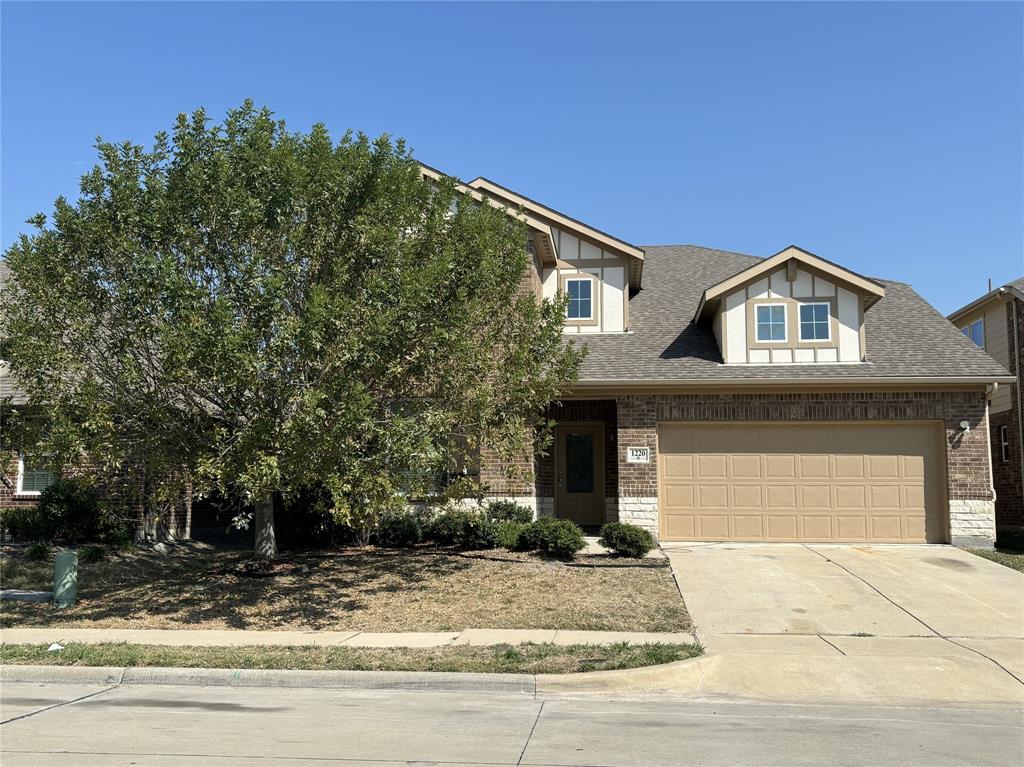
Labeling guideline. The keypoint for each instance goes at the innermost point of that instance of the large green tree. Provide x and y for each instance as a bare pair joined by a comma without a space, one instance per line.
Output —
263,310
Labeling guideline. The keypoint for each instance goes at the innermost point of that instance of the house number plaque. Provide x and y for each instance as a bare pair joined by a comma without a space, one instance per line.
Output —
638,455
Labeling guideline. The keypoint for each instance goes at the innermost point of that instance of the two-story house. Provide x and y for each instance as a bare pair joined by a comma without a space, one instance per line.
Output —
995,322
732,397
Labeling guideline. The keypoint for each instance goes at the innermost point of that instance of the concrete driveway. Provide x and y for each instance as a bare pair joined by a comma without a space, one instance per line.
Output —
941,608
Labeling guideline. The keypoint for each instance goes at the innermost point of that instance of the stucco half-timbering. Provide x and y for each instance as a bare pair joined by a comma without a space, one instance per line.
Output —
735,322
577,256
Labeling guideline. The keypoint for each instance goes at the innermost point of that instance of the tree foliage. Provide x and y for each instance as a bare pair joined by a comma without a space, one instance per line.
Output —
264,310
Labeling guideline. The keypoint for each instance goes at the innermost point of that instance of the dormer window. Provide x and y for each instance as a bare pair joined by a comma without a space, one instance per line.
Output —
581,298
815,324
771,323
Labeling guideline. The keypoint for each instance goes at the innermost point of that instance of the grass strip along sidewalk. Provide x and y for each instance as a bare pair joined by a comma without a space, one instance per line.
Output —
497,659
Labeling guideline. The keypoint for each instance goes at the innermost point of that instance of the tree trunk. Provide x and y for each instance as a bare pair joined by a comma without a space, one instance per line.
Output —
266,543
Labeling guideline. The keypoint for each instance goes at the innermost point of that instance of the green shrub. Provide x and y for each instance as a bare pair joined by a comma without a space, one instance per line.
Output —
626,540
92,553
70,511
38,552
554,537
464,529
399,530
507,534
24,524
509,511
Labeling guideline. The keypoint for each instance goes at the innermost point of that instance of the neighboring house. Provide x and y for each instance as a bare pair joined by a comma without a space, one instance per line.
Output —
730,397
995,322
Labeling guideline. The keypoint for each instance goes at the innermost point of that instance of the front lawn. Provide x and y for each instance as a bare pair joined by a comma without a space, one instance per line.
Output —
359,589
499,659
1012,558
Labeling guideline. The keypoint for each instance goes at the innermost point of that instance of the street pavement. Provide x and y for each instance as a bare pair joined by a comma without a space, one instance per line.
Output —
166,725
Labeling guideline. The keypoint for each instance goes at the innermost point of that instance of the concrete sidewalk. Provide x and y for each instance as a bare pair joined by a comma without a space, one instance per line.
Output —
233,638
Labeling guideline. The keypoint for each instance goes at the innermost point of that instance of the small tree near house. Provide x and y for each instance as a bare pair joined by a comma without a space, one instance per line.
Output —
264,310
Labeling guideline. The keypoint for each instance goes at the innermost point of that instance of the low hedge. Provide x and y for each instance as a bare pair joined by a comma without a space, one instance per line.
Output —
627,540
554,537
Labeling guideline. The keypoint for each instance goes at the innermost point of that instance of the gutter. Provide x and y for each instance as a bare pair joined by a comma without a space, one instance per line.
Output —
710,383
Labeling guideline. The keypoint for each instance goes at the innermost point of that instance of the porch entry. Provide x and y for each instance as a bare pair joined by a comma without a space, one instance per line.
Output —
579,472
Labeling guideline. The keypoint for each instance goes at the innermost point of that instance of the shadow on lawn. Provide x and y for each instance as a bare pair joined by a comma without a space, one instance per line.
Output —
203,587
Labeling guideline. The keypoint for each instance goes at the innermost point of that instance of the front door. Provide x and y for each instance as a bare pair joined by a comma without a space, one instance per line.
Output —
579,472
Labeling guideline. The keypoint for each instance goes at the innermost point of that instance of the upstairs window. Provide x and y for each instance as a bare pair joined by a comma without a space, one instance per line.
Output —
976,332
771,322
814,322
1004,444
33,480
581,302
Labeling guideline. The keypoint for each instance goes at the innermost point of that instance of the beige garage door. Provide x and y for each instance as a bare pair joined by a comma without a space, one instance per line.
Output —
799,482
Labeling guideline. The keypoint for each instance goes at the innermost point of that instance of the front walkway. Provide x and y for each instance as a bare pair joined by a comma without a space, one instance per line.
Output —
231,638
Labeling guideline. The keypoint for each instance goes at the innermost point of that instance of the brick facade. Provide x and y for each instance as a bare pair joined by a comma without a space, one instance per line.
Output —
174,522
1006,475
634,489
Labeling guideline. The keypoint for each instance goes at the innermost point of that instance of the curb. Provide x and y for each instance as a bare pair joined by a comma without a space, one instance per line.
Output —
322,680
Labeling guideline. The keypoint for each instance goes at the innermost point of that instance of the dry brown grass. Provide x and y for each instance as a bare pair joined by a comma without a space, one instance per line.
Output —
502,659
354,589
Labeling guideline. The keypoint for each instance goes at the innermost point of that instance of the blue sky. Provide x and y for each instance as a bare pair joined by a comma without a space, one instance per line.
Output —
886,137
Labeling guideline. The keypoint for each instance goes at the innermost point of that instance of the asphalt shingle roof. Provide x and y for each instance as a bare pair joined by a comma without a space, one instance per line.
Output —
906,337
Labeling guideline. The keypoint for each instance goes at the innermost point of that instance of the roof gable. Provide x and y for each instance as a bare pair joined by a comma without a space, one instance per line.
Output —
540,231
572,225
1013,288
793,254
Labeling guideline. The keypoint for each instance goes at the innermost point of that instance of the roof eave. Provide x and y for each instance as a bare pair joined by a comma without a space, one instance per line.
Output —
794,381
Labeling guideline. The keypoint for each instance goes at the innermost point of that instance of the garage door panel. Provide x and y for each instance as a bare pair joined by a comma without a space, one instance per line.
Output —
815,527
678,466
848,466
815,497
680,496
747,497
681,527
850,496
814,467
780,496
851,528
885,496
779,466
713,496
714,526
883,466
886,528
749,526
793,482
783,527
745,466
713,465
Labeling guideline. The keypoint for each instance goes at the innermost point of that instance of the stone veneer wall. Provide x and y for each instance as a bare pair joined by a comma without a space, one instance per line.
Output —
971,501
1006,475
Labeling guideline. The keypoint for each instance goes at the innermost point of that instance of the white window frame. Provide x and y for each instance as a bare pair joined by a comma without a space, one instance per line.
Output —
828,321
19,485
969,332
590,281
1004,444
785,325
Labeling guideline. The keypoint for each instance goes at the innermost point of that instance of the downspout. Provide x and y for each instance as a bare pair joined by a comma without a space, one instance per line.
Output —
1016,371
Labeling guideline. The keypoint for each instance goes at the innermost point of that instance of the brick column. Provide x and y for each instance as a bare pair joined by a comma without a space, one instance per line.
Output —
638,482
